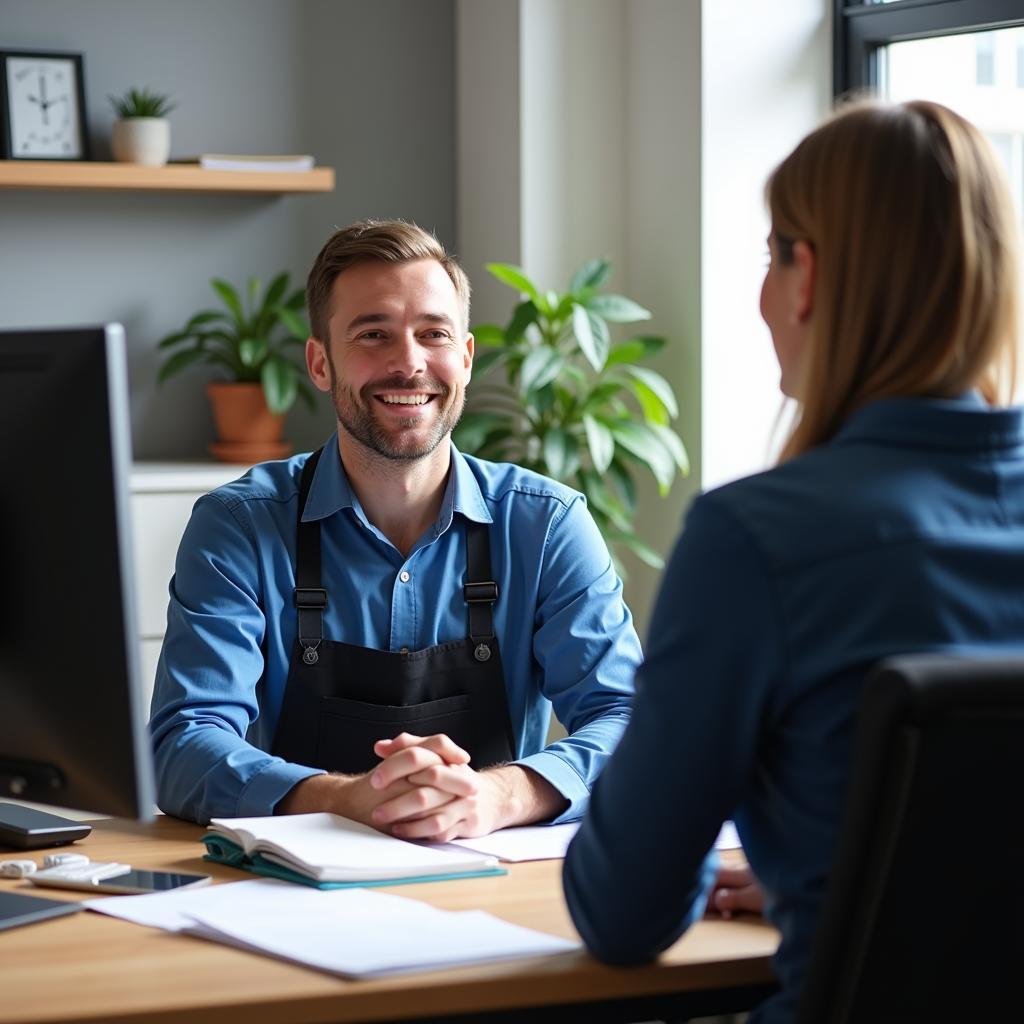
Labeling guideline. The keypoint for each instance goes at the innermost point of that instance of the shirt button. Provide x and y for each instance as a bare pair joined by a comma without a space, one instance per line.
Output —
403,576
403,650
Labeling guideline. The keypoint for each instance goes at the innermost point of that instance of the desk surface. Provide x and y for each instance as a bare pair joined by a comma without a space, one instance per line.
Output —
89,967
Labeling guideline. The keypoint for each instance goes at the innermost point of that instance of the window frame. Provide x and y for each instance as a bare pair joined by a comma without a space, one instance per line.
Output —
860,30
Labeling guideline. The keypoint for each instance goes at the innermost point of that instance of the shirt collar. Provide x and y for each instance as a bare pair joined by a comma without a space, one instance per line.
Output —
330,491
963,422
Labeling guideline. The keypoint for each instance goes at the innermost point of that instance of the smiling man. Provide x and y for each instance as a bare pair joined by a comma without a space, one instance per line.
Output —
381,628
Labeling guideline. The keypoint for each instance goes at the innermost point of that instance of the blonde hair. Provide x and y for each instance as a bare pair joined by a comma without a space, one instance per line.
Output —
915,292
386,241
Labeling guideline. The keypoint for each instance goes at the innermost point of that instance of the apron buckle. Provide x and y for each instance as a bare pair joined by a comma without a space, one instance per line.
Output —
309,654
479,593
482,652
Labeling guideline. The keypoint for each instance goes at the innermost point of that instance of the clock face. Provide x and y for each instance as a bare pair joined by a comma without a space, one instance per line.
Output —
42,103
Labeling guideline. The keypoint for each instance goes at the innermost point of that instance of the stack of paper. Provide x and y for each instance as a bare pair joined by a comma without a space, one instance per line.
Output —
355,933
238,162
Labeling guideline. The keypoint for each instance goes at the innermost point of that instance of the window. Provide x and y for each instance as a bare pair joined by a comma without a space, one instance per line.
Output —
862,30
984,58
965,54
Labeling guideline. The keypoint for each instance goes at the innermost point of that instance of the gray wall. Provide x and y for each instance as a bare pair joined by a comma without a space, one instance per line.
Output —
367,87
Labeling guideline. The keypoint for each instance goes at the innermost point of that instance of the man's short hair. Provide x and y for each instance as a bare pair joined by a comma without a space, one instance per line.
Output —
386,241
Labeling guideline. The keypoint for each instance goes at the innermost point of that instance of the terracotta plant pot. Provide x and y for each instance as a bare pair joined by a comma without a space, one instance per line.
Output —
247,431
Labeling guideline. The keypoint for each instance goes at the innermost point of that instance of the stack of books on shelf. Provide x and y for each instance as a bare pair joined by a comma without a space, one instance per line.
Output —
242,162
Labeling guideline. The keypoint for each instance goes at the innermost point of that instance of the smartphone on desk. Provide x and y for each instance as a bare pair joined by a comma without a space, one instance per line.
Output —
130,882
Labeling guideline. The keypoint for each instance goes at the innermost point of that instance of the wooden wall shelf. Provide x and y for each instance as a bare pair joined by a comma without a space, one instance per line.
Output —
114,177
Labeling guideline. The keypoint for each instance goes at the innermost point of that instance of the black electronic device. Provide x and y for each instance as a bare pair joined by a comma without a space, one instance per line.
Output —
26,828
130,882
16,909
72,725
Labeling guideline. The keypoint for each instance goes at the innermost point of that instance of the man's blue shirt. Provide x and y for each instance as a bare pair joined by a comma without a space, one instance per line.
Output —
566,637
905,533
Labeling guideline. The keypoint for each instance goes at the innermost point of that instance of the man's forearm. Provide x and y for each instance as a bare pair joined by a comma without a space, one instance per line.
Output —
335,793
523,797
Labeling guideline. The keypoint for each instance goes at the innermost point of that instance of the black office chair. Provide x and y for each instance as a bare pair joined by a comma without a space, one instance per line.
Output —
923,918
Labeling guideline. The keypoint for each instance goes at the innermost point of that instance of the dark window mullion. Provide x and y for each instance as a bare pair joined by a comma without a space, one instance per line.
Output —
860,29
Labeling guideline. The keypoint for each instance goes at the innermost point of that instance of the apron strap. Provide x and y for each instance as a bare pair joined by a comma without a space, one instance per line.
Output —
310,596
480,591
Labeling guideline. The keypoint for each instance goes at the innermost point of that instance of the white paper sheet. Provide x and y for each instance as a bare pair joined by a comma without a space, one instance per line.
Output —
168,910
549,842
728,838
359,933
527,842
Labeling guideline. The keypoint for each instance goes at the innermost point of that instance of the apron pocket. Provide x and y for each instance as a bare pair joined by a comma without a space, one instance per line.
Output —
347,729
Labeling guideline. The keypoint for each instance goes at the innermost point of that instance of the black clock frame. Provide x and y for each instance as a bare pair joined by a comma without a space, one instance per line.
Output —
6,148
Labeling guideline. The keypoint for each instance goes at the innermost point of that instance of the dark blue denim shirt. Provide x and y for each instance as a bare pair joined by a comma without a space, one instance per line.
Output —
904,533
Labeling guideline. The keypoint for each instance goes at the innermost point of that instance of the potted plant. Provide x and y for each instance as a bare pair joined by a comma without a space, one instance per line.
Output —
142,133
250,340
574,405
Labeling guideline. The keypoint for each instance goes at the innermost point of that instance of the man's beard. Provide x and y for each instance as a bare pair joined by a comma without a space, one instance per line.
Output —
356,416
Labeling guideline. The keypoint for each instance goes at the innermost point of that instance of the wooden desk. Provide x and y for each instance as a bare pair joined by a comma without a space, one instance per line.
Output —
93,968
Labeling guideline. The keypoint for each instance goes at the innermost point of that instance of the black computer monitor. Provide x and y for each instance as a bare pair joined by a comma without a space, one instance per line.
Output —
72,721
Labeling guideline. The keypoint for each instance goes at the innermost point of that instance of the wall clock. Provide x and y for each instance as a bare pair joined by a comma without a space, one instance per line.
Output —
43,106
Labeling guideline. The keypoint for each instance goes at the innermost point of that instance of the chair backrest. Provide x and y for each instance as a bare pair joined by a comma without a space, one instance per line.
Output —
923,917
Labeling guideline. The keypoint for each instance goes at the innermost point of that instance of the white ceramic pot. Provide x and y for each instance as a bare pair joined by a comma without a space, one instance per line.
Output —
141,140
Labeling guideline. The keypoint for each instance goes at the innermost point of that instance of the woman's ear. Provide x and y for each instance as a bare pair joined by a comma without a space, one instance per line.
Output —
805,263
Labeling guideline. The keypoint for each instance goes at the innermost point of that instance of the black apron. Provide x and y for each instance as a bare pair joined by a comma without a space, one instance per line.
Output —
340,699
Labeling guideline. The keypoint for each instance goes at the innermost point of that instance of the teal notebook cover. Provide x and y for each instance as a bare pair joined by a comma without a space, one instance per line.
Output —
222,850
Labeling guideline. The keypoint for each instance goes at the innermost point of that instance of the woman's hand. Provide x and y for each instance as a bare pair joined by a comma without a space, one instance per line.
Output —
736,891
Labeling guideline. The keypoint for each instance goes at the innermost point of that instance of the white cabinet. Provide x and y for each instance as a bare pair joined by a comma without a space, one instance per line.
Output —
163,494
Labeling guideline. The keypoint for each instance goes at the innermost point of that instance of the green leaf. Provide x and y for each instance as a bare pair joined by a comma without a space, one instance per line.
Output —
628,352
540,367
175,339
254,294
483,362
642,443
652,343
205,316
294,324
473,428
658,385
651,405
618,309
252,351
674,444
280,383
524,314
592,335
592,274
275,290
601,498
514,277
561,455
600,442
660,388
230,298
488,334
601,394
297,299
178,362
624,483
642,551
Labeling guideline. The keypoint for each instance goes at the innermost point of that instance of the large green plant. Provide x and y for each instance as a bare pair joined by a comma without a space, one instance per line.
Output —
251,339
575,405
